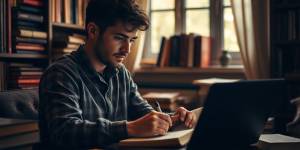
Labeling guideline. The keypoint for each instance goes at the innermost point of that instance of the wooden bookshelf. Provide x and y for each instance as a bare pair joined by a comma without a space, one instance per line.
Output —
285,53
48,26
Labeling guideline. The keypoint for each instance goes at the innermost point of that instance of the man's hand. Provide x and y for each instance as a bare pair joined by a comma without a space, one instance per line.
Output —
185,116
153,124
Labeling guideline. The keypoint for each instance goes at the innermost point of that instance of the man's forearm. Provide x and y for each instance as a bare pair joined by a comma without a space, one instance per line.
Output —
86,134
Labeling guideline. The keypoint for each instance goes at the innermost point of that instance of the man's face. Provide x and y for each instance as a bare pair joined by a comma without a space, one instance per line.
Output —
113,46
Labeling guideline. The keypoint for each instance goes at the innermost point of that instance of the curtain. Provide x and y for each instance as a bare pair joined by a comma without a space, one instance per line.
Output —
252,29
134,58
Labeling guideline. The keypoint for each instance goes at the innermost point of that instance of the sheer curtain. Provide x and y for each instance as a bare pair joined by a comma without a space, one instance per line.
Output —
252,29
134,58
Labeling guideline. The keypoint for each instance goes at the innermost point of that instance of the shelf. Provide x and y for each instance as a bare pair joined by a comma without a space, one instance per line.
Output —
287,42
182,70
184,76
68,26
22,56
293,76
286,6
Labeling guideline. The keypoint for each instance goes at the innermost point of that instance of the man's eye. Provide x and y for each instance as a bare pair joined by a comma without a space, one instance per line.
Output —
119,38
132,41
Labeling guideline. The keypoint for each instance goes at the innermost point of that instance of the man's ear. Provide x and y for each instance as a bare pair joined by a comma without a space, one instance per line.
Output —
92,30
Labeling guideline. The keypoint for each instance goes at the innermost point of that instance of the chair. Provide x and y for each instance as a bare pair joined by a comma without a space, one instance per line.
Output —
294,127
19,104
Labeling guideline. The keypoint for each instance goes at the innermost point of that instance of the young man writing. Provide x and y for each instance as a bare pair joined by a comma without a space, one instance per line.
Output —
88,98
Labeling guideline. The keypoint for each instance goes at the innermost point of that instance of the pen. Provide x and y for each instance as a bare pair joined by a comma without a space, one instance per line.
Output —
158,106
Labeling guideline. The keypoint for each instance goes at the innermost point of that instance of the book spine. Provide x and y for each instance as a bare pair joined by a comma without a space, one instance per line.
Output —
31,40
67,11
9,26
32,34
80,12
74,11
162,45
38,3
30,9
1,25
30,48
30,17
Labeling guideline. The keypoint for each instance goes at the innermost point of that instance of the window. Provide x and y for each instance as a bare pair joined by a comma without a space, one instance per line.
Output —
215,23
230,41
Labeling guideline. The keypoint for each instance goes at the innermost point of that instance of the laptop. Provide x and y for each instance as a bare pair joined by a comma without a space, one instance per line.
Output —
235,113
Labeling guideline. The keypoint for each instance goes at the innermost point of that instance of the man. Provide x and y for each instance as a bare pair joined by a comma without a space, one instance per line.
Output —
88,98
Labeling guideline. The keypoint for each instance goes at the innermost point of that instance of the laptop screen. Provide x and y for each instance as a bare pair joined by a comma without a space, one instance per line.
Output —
235,113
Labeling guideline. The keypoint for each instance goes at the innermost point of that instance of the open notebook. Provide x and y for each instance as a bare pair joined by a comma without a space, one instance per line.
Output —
176,137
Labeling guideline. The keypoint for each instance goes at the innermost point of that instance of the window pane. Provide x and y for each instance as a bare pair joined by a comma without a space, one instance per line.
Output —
226,3
162,4
197,21
160,26
230,40
197,3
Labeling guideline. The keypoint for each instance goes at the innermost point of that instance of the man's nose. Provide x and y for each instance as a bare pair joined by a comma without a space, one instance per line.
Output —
126,45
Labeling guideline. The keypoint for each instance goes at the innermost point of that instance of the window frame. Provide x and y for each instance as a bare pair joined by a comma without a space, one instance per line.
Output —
216,28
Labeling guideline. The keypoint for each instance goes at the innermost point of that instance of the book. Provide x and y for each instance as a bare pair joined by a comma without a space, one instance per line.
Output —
30,47
66,38
1,25
28,24
278,142
30,17
202,51
16,126
165,60
32,34
58,11
67,11
190,50
30,9
162,45
183,50
205,52
174,51
38,3
9,26
179,136
30,40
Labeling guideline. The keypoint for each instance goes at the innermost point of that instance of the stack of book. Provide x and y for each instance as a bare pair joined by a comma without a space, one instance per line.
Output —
185,51
23,76
29,36
166,100
64,43
68,11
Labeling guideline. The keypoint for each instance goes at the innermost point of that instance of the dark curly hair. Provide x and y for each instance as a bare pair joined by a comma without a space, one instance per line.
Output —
105,13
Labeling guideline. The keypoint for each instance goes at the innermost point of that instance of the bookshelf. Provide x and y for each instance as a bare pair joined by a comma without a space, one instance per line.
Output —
285,52
70,25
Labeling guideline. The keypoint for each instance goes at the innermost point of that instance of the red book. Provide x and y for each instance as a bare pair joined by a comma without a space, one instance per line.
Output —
30,47
33,2
205,51
28,81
